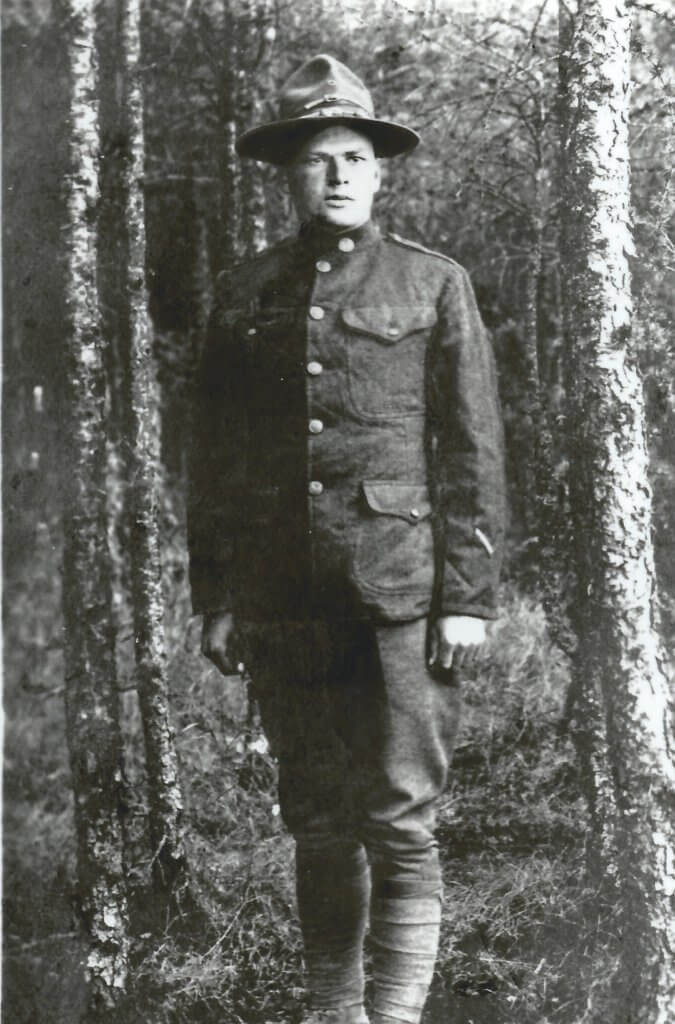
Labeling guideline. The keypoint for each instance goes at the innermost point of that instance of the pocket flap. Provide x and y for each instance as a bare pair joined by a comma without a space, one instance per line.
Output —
389,323
391,498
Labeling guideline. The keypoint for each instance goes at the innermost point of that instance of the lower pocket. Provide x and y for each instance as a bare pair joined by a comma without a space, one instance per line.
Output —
394,550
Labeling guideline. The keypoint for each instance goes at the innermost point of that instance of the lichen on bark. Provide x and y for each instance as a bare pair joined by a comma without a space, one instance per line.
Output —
92,722
619,661
167,833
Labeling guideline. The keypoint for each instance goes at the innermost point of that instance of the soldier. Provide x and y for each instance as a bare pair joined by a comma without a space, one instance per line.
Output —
346,515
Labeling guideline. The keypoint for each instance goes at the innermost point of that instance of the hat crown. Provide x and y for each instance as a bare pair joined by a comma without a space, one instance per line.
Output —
323,91
324,84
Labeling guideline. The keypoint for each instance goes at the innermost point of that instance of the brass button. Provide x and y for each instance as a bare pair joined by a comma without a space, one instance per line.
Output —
323,266
315,426
346,245
393,332
315,487
316,312
414,513
251,330
314,368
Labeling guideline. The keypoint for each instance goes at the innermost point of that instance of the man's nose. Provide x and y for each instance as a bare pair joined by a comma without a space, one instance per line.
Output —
337,171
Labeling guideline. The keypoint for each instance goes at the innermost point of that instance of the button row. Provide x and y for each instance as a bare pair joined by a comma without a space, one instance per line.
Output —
316,312
315,426
314,368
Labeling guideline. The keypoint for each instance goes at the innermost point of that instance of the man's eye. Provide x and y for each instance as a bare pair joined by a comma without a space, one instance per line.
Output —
355,158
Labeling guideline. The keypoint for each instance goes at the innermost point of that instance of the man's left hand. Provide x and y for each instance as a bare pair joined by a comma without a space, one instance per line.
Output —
455,639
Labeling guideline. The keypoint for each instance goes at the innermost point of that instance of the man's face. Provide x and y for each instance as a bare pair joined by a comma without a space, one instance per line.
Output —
334,177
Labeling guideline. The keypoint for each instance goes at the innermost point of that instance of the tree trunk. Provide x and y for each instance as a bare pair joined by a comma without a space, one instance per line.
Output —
90,693
229,246
252,52
619,661
165,799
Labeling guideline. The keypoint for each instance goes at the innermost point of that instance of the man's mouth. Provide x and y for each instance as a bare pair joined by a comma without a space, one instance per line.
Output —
338,199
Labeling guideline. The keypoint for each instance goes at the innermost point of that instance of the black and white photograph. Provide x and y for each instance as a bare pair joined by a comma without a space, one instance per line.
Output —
338,480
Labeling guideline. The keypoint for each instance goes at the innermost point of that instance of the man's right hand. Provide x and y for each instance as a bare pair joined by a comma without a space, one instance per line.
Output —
217,637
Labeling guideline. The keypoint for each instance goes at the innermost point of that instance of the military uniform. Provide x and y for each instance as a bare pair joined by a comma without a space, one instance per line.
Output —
347,490
348,449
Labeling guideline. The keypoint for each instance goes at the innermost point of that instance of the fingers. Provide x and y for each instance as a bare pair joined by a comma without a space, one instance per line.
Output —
445,656
222,661
433,647
457,640
464,657
443,652
441,655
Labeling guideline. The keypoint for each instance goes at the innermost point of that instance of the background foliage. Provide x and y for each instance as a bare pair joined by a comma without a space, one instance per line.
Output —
523,941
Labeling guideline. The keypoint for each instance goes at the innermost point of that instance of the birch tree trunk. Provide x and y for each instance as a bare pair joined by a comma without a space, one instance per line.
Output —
92,720
165,799
619,662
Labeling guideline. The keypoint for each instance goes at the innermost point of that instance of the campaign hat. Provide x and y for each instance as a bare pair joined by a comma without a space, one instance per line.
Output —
323,92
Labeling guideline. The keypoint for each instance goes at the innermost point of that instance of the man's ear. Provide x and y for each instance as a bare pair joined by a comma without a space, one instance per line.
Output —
378,175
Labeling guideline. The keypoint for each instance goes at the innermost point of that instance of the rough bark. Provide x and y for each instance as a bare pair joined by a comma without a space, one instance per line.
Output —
167,833
90,693
112,287
619,663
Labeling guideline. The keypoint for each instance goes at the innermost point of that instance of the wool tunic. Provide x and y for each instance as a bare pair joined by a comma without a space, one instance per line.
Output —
347,455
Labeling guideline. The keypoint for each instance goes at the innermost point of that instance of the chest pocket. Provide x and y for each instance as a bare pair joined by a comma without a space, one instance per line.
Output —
386,354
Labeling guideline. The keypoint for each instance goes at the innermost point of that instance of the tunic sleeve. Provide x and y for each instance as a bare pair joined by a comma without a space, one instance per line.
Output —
467,457
217,468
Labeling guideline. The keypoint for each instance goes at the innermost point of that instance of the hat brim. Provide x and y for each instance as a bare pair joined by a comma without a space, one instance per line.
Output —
277,141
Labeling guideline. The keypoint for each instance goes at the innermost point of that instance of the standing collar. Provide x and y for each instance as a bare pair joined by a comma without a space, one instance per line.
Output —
320,241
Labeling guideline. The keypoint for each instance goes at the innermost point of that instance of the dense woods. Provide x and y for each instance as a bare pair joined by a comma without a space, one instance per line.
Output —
146,871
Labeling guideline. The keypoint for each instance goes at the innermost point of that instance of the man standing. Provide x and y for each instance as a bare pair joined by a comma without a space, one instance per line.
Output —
346,515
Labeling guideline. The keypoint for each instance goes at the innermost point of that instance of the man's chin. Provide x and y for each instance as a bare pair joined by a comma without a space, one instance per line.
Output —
338,220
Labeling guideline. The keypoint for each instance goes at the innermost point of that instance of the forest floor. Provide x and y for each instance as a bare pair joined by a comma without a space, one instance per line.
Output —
523,940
